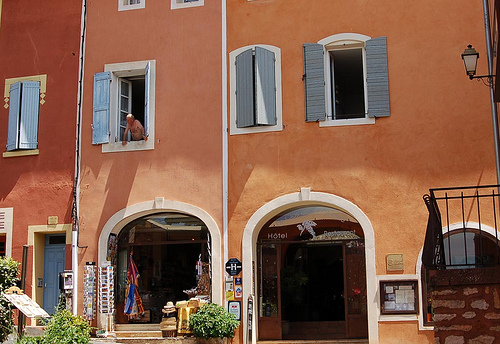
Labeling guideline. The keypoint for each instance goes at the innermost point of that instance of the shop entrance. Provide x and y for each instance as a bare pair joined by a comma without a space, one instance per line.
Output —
312,276
170,254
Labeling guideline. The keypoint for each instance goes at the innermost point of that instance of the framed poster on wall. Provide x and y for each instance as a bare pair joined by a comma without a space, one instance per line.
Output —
399,297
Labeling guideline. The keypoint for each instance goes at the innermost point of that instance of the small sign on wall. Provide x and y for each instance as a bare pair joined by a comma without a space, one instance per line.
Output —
395,262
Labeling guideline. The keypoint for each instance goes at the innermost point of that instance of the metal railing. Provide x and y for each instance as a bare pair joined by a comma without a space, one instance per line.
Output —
462,228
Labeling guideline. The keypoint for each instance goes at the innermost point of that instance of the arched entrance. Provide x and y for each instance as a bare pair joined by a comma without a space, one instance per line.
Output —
171,252
305,197
311,276
121,219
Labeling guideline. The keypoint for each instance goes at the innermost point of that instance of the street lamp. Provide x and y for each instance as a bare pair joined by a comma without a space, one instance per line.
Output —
470,56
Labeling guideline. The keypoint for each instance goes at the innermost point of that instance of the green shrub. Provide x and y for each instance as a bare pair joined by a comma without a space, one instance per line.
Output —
9,276
213,321
66,328
30,340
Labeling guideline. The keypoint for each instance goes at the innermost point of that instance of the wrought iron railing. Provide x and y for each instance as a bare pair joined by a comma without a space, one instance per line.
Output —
462,228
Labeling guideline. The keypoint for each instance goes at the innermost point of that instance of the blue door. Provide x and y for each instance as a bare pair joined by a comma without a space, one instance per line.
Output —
54,263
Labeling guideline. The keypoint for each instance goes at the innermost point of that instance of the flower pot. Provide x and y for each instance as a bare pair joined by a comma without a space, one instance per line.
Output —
213,340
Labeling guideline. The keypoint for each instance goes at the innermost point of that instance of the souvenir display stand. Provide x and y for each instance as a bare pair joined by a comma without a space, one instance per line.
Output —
89,291
106,298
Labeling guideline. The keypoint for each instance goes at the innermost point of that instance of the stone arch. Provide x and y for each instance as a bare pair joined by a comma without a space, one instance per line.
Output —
306,197
159,204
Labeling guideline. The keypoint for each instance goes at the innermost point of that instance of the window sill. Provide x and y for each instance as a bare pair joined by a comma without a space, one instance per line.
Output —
131,7
398,317
26,152
129,147
175,5
343,122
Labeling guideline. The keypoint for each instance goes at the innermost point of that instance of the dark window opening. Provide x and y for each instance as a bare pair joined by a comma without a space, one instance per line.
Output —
348,96
132,99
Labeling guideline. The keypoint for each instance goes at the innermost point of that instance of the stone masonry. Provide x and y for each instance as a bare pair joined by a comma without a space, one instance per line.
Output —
466,305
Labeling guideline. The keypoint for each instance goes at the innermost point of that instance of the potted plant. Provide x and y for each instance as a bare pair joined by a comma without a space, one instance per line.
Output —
213,324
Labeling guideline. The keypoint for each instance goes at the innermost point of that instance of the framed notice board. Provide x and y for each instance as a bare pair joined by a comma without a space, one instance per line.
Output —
399,297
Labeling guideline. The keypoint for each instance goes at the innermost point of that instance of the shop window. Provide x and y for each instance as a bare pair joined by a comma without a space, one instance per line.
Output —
23,97
172,255
121,89
255,89
175,4
346,80
2,245
124,5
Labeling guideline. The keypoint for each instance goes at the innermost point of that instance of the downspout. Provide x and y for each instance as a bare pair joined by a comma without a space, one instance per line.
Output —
494,115
76,186
225,134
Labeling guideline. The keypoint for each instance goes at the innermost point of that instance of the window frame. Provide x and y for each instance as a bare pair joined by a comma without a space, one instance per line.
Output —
317,76
234,130
342,42
123,70
174,4
126,7
42,81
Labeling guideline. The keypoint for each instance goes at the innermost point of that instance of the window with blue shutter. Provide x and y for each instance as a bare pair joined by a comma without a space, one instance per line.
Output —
23,115
314,82
255,88
377,77
334,79
100,124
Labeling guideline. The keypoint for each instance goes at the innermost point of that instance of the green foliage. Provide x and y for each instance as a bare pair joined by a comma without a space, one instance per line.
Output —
66,328
62,328
30,340
213,321
9,276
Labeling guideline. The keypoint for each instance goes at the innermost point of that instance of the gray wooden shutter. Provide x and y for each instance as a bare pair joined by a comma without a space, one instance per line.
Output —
265,87
147,87
14,111
377,77
314,82
245,90
30,99
100,125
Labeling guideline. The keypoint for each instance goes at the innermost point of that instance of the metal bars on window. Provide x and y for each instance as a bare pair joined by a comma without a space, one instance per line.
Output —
469,235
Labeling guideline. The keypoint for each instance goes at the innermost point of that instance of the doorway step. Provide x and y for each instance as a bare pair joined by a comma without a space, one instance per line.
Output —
329,341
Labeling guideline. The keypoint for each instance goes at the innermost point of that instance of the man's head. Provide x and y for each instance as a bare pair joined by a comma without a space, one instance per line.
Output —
130,118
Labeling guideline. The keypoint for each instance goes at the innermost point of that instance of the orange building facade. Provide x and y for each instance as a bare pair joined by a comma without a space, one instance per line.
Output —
358,109
296,138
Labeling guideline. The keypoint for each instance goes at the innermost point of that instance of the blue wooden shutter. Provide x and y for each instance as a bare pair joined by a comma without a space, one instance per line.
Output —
147,87
314,82
265,87
30,99
100,125
377,77
14,112
245,90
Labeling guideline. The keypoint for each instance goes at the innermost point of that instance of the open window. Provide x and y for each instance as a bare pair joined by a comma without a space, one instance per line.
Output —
124,5
346,80
121,89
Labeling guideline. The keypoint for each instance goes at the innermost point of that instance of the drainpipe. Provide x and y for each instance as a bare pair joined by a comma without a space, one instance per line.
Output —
494,115
225,133
76,187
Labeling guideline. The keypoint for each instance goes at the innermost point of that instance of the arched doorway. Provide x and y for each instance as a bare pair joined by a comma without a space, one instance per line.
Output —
172,254
311,276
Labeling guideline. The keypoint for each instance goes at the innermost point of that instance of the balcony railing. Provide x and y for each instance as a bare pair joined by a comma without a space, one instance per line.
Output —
462,228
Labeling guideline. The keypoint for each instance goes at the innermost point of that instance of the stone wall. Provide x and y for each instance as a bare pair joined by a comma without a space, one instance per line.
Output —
466,305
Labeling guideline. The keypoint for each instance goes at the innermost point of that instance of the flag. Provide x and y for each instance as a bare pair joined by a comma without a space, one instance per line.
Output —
133,301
